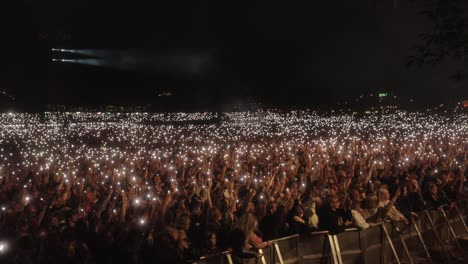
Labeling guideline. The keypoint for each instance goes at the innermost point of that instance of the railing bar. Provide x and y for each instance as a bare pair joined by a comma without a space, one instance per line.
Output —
351,252
315,256
336,253
319,233
375,246
293,260
286,238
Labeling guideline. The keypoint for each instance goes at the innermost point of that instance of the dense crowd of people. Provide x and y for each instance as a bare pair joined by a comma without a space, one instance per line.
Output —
140,187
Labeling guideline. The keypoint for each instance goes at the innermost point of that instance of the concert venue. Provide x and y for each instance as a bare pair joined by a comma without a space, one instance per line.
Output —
228,133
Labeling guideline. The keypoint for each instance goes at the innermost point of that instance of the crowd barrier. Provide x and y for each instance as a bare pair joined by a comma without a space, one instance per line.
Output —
430,233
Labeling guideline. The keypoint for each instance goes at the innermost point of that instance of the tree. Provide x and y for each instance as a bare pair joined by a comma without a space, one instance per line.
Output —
448,38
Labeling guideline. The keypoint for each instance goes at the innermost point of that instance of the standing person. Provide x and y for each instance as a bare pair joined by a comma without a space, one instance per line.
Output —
248,224
393,213
333,218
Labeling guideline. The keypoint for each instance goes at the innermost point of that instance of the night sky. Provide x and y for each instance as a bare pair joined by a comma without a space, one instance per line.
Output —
288,53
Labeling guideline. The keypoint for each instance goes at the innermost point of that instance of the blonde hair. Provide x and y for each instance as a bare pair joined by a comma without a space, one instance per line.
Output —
382,190
247,223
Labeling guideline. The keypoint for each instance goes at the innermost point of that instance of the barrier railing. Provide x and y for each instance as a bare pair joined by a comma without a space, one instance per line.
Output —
428,233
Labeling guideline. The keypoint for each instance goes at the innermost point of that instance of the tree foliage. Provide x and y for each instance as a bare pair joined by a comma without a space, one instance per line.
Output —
448,37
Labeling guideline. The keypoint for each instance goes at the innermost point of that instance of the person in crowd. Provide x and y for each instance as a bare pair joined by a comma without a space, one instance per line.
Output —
210,248
391,211
296,222
359,214
333,218
248,224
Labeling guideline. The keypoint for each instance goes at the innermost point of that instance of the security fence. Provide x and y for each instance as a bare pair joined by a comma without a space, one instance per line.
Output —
430,234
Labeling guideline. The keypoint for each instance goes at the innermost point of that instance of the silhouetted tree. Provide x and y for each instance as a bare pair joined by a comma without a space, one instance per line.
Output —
448,37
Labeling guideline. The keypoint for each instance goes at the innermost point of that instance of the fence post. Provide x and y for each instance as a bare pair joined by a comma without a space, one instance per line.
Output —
278,254
405,247
450,227
415,225
263,256
337,249
426,213
461,218
229,258
360,248
389,240
299,259
332,248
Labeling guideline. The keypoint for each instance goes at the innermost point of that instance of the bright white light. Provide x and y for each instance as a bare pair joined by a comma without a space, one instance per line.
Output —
3,247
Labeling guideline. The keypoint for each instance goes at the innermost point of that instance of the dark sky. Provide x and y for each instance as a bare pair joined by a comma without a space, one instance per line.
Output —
289,52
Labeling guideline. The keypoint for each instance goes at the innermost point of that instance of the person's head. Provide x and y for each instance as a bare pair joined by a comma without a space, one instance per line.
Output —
183,222
333,201
334,189
356,205
53,220
31,210
210,239
384,195
195,207
214,215
170,217
354,195
271,208
444,175
432,188
23,225
299,211
363,194
247,223
318,201
251,208
414,185
372,201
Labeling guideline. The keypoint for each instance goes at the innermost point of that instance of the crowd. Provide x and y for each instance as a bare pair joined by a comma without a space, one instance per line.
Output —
135,188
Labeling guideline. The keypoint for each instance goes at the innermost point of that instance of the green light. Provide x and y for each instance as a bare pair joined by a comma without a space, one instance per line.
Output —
383,94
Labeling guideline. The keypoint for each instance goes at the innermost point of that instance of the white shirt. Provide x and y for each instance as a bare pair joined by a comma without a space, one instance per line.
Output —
359,220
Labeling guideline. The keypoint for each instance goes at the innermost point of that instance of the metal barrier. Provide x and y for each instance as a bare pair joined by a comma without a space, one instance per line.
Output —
428,232
318,247
223,258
